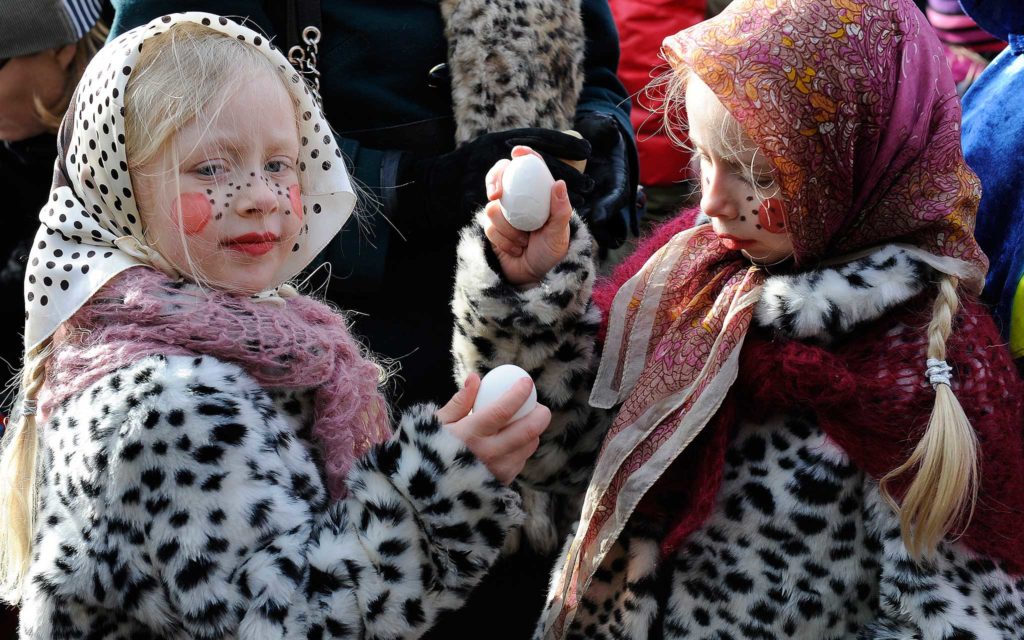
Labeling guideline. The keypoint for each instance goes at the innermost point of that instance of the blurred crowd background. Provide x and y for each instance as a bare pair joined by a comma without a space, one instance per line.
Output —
44,49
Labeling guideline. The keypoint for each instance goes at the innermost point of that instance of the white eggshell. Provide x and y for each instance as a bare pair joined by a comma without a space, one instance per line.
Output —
526,193
497,382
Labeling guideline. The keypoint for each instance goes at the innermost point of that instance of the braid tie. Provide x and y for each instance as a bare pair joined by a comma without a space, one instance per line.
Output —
27,408
938,372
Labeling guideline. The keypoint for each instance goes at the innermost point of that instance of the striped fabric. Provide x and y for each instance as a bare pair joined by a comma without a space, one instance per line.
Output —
83,14
956,28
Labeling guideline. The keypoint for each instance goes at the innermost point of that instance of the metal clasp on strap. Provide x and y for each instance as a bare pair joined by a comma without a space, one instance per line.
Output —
304,59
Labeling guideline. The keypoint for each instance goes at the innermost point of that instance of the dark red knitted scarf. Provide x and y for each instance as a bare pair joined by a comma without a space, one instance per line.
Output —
868,393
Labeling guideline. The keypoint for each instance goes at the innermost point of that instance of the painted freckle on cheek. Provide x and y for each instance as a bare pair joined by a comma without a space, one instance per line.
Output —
193,212
770,216
295,197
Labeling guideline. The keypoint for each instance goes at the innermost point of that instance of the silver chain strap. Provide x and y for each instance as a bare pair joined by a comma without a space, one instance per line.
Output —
304,59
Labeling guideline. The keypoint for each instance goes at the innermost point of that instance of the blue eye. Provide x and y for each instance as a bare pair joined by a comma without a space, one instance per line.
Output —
276,166
210,170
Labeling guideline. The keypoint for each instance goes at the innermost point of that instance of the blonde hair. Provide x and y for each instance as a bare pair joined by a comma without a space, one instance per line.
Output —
178,74
19,480
943,493
85,49
730,142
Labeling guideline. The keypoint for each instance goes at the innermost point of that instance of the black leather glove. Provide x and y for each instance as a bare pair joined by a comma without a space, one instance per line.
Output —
443,192
610,209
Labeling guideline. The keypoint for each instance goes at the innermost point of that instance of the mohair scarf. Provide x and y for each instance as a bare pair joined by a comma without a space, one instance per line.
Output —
853,104
867,393
299,344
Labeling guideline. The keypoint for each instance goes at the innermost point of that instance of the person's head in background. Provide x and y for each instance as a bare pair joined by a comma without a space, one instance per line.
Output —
44,47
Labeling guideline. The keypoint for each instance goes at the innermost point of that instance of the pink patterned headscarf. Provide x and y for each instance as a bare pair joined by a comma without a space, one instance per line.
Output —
853,104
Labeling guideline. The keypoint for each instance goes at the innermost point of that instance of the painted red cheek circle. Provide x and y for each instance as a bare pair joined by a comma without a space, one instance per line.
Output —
295,197
770,216
194,212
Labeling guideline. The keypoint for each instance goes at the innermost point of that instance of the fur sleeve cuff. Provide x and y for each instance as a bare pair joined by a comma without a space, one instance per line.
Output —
481,288
549,330
464,510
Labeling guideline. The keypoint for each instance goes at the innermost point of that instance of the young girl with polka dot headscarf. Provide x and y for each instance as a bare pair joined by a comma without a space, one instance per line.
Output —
791,419
198,450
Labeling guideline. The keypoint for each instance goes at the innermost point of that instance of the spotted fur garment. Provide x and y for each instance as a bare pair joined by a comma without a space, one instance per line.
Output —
800,543
182,500
514,63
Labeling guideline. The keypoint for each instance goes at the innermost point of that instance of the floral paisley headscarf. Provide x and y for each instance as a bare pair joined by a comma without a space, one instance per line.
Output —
853,104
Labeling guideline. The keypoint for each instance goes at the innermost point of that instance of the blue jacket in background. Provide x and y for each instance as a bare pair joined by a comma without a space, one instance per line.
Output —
993,141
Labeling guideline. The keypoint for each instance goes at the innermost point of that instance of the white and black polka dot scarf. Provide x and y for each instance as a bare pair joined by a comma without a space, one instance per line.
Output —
91,228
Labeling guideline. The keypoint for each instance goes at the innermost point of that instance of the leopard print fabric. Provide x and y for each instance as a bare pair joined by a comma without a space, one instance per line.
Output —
182,500
514,63
549,331
800,543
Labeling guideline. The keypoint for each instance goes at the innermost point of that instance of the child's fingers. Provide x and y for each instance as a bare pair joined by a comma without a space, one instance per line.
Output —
495,417
503,235
505,452
493,179
561,208
462,402
510,465
555,233
523,150
519,434
524,452
501,243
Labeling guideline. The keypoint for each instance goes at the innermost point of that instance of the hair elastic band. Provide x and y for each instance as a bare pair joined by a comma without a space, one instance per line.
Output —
938,372
28,408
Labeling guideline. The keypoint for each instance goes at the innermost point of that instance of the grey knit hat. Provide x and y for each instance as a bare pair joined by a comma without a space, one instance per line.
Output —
28,26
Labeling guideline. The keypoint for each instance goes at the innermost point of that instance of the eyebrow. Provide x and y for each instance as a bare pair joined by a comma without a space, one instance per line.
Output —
235,145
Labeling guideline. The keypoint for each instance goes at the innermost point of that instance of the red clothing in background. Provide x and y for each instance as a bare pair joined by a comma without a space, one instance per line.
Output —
643,24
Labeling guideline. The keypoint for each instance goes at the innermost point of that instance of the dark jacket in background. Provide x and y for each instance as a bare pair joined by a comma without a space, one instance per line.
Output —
26,171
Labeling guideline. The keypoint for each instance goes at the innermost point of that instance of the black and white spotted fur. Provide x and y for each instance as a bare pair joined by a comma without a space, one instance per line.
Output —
513,63
549,331
182,500
827,302
800,544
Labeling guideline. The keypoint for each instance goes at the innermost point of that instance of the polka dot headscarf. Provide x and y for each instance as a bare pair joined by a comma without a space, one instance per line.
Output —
91,229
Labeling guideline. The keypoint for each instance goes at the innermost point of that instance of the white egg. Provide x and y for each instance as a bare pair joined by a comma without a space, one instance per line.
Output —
526,193
497,382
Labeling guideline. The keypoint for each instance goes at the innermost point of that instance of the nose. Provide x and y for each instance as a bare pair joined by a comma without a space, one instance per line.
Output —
257,197
715,196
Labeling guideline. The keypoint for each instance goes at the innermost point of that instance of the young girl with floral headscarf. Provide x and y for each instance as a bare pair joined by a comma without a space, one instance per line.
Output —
800,423
200,452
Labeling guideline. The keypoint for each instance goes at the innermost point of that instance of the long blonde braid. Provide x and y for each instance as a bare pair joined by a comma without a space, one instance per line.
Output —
944,490
19,479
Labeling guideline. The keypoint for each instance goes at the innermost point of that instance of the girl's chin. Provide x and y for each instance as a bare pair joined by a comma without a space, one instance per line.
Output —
765,257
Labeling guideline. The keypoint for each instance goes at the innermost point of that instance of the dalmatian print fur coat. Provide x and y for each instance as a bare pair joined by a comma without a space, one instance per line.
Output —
800,544
181,500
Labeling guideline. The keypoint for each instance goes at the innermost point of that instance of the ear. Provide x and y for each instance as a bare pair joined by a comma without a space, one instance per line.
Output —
66,55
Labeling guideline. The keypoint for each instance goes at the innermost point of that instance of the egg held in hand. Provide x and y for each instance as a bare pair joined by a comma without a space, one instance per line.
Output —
497,381
526,193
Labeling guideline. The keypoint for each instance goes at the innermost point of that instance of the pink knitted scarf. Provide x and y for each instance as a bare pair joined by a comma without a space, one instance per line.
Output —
301,344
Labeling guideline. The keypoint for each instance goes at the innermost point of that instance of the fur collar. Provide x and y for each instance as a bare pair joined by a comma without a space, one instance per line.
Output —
827,303
513,63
